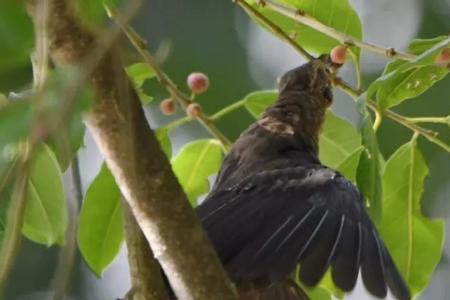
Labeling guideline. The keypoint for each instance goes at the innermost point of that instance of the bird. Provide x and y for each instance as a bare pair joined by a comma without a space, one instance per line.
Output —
275,214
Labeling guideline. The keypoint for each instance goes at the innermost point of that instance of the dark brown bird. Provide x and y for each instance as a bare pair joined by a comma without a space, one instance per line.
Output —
274,205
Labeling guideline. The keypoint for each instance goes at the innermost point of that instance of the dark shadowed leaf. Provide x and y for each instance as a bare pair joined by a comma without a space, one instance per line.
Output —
45,219
194,164
15,122
415,242
16,31
100,232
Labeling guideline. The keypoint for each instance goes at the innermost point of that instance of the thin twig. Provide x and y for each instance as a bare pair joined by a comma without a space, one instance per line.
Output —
337,81
274,28
163,78
436,120
15,217
309,21
68,254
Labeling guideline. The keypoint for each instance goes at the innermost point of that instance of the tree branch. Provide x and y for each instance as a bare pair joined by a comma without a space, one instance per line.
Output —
163,78
303,18
145,271
140,168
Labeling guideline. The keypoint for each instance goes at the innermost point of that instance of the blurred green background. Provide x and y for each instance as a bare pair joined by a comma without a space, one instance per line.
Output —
217,38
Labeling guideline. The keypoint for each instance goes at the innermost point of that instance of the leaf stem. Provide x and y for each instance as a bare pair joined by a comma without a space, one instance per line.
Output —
303,18
437,120
177,122
68,255
140,45
226,110
428,134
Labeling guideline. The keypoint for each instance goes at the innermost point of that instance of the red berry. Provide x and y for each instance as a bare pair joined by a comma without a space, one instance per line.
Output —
338,54
443,57
167,106
193,110
198,82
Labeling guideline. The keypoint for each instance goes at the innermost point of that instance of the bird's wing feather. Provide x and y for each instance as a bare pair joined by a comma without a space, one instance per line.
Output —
265,225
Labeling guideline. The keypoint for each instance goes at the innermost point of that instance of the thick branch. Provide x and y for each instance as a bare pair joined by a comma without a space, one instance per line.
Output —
144,269
140,168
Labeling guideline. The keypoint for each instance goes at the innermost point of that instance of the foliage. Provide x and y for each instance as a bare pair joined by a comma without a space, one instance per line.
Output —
393,191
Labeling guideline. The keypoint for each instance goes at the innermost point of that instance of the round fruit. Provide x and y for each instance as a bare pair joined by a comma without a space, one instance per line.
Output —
198,82
338,54
193,110
168,106
443,57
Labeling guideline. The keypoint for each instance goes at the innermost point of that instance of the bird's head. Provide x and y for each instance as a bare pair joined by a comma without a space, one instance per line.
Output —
312,78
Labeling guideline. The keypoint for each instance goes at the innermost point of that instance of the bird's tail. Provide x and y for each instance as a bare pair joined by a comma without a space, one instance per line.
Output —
283,290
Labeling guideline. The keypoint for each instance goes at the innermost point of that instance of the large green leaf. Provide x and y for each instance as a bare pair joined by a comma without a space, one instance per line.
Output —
45,219
414,241
337,14
337,141
16,31
100,232
349,165
194,164
368,173
403,80
257,102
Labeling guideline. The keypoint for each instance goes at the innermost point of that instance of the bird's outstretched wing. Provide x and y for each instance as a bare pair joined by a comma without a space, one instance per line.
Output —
269,222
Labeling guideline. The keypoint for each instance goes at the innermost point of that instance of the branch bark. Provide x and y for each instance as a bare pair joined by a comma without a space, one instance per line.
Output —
142,172
144,269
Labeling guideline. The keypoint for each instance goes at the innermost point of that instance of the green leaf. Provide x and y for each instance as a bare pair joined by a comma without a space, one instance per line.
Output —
337,141
403,80
45,220
15,122
194,164
415,242
328,284
257,102
139,73
100,232
368,173
162,134
337,14
349,165
65,143
16,31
